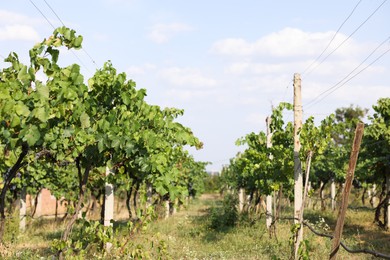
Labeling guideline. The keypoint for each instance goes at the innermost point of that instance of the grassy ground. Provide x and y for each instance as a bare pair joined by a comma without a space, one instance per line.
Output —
189,236
199,232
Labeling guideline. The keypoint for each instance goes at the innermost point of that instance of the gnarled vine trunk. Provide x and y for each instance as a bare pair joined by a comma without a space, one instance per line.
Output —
8,177
128,201
36,201
83,178
364,196
384,204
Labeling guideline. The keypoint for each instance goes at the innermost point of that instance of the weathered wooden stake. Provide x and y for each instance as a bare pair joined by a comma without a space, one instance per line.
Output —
297,146
175,204
23,210
347,189
374,199
269,197
167,209
322,197
306,190
333,194
109,205
241,199
298,180
149,193
309,204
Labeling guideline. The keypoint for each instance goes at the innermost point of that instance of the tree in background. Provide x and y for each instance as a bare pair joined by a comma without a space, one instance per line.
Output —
376,154
339,149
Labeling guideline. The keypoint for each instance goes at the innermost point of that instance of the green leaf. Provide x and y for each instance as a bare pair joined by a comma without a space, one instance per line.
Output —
77,42
55,53
15,121
161,190
41,114
21,109
18,95
43,90
13,142
91,82
68,132
6,134
100,145
84,120
126,98
32,135
4,93
115,143
70,94
23,75
67,33
31,72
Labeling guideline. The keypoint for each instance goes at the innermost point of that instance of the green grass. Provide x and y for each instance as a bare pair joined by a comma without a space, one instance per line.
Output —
193,234
189,236
35,242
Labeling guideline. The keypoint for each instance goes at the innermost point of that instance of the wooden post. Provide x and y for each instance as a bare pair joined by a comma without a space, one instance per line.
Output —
167,209
297,146
347,189
369,195
241,199
333,194
300,230
269,197
175,204
298,180
23,210
374,199
109,205
322,197
109,201
148,195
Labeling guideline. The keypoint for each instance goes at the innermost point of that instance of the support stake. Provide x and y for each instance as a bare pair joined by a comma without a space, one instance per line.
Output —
347,189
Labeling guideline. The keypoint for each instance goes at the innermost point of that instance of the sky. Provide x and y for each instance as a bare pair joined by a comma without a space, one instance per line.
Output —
226,63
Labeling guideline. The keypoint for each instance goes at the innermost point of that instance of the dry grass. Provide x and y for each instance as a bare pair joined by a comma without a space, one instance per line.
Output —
188,235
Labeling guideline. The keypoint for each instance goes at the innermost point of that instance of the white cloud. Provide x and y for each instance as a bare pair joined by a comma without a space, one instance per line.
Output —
289,42
162,33
265,68
351,92
186,94
328,70
259,68
18,32
338,69
8,17
141,69
15,26
186,77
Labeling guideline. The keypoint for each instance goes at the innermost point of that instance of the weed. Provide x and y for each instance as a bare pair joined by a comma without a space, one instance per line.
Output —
226,215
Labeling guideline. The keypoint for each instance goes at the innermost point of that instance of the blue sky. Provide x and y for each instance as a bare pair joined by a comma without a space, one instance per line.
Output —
224,62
